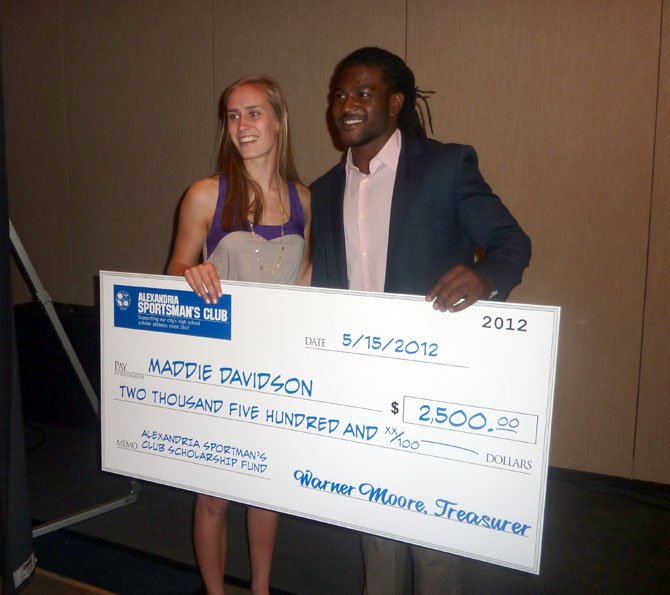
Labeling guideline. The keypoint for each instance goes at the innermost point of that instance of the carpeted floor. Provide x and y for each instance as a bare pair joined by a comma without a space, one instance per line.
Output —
73,564
111,567
49,583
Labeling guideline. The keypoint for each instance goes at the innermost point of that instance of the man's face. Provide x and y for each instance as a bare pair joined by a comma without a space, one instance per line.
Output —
363,108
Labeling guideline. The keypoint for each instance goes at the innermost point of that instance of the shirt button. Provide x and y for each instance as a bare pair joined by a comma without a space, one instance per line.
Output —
364,253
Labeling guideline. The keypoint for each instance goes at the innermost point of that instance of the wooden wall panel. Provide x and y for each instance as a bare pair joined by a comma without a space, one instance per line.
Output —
559,99
111,110
652,443
35,129
140,120
295,42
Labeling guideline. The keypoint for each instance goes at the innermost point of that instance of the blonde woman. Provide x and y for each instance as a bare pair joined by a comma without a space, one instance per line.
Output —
249,223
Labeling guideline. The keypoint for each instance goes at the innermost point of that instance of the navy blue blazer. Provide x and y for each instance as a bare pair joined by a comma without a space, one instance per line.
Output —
442,210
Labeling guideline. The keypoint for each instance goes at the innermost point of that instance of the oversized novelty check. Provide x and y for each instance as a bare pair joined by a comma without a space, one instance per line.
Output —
369,411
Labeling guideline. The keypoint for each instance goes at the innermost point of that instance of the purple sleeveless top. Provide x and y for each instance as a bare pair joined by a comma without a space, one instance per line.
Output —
295,224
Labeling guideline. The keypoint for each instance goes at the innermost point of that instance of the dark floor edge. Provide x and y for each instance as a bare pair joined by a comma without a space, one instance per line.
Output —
645,492
123,548
154,558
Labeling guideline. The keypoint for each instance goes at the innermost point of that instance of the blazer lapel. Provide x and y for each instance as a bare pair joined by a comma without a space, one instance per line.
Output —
336,203
409,170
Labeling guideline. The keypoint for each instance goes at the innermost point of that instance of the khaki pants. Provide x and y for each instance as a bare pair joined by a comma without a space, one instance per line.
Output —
435,573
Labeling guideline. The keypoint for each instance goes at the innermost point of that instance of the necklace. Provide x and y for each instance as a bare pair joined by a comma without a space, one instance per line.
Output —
274,269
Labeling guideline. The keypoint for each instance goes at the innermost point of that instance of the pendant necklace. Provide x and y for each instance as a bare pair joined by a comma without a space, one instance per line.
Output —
274,269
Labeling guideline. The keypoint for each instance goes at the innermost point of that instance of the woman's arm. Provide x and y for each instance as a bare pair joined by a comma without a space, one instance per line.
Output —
195,218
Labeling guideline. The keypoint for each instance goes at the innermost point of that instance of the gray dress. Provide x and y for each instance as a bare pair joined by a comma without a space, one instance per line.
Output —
272,254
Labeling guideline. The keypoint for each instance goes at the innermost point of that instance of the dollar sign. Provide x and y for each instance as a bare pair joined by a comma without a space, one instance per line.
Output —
394,408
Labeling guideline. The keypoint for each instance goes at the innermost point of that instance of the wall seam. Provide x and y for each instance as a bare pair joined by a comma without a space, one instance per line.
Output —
649,229
68,198
406,28
214,110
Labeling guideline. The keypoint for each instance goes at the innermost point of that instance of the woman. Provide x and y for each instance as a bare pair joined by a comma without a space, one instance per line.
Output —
251,223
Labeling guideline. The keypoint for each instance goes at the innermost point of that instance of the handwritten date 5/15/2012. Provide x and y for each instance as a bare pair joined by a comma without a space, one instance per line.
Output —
391,345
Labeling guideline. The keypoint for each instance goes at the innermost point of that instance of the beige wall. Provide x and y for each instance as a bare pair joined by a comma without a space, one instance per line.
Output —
110,114
36,141
562,114
111,111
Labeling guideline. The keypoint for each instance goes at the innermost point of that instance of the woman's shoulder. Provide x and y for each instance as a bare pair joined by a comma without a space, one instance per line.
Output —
303,195
206,186
203,192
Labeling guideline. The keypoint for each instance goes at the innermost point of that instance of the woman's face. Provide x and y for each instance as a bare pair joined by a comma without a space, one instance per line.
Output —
252,124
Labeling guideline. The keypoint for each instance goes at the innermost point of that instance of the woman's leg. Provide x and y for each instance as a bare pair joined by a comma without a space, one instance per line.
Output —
262,531
209,541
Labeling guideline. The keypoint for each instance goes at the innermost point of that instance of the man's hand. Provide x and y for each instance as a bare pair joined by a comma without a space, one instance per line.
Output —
458,288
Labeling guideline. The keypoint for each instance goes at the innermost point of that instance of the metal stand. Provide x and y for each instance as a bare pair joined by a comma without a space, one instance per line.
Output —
46,302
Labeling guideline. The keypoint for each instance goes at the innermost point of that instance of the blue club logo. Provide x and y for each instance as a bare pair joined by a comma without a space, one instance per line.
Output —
122,299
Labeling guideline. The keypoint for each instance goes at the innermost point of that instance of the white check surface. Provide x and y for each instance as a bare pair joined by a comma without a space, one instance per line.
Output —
368,411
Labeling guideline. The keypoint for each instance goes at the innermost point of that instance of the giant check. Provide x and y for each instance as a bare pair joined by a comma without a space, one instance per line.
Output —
369,411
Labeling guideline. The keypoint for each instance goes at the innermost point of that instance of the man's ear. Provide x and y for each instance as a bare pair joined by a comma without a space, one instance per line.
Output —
395,103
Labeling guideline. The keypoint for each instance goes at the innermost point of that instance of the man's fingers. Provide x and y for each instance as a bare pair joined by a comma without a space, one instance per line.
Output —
462,304
443,283
454,301
457,289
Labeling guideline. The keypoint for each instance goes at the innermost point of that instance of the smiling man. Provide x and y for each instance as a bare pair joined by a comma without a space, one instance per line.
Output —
406,214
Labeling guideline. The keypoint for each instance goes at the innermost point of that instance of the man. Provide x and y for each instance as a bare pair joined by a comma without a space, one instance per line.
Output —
405,214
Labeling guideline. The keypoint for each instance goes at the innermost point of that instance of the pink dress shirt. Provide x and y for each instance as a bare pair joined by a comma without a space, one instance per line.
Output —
366,213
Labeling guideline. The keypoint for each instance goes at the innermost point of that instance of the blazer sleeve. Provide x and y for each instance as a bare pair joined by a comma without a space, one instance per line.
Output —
490,225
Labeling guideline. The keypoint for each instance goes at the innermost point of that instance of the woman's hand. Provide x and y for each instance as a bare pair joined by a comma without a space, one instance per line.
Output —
204,280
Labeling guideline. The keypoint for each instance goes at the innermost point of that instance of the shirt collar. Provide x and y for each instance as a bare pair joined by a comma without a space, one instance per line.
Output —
388,156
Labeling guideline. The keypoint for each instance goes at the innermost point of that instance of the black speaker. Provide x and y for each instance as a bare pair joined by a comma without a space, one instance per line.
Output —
51,391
